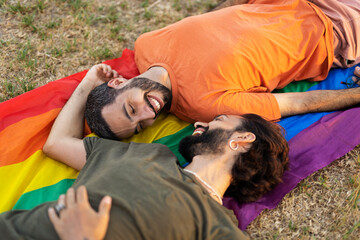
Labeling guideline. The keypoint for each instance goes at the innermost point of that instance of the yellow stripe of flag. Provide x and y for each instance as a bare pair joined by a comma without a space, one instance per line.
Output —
35,172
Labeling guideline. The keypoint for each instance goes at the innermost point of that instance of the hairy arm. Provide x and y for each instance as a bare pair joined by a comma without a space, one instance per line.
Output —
318,100
65,139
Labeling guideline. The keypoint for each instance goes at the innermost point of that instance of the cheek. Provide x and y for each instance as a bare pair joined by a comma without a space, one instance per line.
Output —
136,96
124,132
148,123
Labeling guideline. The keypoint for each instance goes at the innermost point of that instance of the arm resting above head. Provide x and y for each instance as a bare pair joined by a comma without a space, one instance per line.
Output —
65,139
64,142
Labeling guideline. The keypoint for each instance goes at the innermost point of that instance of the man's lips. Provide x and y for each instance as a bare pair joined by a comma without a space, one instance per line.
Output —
198,131
156,103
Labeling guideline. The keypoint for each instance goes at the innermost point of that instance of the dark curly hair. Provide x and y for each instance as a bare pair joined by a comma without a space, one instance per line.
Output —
258,170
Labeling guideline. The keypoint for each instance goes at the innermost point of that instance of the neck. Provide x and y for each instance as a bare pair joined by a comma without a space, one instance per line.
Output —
214,171
158,74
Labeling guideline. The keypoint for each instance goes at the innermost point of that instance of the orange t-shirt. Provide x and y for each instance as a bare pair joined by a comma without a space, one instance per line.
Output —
228,61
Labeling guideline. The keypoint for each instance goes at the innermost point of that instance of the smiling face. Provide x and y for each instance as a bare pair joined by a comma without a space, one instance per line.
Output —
209,138
140,102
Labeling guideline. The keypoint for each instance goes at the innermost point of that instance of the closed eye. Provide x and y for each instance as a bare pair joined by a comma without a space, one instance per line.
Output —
132,109
220,117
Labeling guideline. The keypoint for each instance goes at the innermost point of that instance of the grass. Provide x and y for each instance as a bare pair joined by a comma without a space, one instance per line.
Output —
51,39
44,40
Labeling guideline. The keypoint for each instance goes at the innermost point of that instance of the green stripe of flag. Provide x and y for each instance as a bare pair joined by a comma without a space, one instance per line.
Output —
300,86
50,193
172,141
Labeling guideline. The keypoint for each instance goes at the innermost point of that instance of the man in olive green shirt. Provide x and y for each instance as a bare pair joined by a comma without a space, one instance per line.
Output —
153,198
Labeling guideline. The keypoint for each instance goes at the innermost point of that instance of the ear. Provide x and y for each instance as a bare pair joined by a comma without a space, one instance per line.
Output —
117,83
240,139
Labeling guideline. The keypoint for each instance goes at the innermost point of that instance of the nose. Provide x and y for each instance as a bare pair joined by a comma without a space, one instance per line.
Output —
145,113
201,124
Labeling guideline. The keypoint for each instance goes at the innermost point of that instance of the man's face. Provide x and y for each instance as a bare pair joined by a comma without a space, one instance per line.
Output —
209,138
136,107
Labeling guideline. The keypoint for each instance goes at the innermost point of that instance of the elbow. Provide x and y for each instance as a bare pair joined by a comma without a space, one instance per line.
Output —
49,147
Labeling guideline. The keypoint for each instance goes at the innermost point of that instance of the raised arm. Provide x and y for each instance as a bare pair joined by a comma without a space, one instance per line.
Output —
318,100
65,139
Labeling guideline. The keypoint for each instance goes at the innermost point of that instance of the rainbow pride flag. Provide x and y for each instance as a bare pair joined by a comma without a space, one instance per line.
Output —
28,177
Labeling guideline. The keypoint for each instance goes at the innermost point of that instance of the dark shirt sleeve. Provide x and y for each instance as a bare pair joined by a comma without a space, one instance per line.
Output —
89,143
27,224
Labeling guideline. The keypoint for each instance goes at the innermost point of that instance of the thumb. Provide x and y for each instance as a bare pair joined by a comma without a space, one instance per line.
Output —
105,206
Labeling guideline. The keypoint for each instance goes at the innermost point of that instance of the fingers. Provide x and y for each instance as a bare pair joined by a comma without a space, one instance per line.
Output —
54,219
115,74
62,199
81,195
355,79
70,197
108,71
105,206
357,72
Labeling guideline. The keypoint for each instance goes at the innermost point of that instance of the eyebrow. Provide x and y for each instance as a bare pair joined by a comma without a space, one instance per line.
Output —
129,117
220,115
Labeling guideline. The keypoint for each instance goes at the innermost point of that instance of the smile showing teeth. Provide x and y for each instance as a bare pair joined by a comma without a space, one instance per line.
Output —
198,132
155,103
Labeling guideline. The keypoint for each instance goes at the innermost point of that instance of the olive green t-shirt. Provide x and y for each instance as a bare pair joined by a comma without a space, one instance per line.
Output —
152,198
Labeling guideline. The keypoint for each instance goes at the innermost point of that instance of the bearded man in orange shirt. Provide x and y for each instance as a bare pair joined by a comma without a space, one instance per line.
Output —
228,61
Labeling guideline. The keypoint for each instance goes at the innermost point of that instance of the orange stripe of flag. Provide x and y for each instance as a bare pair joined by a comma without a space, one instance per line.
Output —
20,140
40,100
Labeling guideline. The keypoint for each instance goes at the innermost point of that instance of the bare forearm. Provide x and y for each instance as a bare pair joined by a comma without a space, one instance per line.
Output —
70,121
65,139
316,101
67,131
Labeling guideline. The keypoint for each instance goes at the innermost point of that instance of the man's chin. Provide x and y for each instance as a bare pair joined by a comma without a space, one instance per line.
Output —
192,145
187,147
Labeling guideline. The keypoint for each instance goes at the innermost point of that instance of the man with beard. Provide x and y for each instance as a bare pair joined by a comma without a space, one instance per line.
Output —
230,60
126,102
153,198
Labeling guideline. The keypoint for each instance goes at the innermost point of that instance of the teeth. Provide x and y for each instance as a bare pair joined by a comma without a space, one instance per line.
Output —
156,104
197,132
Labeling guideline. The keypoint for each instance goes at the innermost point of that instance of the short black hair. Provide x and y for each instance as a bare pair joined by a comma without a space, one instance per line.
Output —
103,95
98,98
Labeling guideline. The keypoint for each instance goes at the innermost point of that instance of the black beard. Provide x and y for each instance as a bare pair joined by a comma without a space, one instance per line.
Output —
210,142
